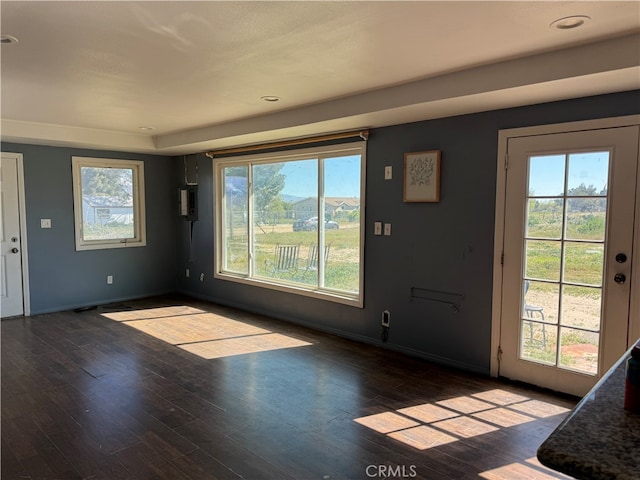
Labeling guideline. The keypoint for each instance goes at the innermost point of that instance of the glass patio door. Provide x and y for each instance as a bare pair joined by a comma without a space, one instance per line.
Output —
569,219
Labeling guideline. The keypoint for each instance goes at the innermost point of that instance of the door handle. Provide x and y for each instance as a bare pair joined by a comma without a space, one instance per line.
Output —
621,258
14,250
619,278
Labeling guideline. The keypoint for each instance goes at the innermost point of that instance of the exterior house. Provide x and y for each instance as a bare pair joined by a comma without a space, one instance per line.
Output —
337,205
308,207
103,210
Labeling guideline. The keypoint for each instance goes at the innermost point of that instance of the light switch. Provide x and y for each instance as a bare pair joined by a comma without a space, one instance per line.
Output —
388,172
45,223
387,229
377,228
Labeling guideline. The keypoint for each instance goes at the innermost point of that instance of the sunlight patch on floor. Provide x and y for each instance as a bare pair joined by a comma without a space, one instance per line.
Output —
465,404
463,417
539,409
465,427
423,437
195,328
432,425
500,397
386,422
428,413
503,417
207,334
148,313
243,345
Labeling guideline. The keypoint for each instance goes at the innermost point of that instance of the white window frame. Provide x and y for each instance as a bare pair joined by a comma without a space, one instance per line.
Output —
139,225
355,148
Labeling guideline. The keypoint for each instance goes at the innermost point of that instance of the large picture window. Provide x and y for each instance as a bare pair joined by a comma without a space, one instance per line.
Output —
108,203
293,221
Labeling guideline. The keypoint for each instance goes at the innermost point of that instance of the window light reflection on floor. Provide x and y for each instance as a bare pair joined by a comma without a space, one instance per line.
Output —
431,425
207,334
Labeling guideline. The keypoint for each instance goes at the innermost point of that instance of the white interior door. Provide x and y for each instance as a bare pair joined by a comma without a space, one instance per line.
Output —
11,281
567,256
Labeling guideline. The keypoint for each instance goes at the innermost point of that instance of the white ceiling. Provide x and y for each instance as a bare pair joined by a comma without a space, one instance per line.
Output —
91,73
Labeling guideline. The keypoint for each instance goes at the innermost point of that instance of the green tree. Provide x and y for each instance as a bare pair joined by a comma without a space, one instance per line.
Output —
274,211
585,205
114,183
268,183
583,190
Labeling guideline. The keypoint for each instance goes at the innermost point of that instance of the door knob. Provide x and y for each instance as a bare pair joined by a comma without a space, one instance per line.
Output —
14,250
621,258
619,278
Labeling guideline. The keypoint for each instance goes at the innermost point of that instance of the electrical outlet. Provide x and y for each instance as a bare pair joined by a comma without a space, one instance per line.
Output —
387,229
109,279
386,318
377,228
45,223
186,273
202,277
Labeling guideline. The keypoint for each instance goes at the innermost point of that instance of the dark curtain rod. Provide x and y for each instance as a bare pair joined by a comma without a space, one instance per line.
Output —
364,134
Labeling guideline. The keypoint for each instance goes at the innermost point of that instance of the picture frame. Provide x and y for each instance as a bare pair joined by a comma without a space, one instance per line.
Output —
422,176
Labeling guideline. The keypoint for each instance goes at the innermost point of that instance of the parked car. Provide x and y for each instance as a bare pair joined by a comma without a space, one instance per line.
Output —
311,224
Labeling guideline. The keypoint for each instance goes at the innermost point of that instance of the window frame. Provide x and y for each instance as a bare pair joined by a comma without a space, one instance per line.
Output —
139,222
320,292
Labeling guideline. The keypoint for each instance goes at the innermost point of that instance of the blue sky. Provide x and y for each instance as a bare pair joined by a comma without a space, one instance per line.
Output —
546,173
342,177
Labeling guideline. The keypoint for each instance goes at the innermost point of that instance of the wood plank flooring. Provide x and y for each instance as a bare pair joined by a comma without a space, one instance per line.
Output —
173,388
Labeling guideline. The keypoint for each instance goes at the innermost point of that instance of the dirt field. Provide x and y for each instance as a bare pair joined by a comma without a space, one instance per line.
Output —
582,312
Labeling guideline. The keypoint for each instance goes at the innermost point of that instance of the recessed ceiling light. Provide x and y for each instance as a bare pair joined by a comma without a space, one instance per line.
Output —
8,39
567,23
146,129
270,98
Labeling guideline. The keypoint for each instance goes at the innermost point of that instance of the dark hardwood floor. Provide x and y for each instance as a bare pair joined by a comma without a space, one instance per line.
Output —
172,388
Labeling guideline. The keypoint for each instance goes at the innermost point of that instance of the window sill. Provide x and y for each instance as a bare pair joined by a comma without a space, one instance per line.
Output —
105,246
296,289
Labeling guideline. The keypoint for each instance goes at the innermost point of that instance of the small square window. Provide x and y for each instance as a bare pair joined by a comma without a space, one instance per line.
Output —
108,203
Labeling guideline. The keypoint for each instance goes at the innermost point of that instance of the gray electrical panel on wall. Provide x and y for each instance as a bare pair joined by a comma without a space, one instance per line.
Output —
189,202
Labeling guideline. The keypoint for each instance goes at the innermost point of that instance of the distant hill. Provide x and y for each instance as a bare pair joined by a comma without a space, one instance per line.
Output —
292,198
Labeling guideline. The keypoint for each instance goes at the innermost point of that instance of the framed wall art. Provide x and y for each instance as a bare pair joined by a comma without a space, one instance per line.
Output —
422,176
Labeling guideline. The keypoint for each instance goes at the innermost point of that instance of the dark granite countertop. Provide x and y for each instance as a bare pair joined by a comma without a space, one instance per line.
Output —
598,439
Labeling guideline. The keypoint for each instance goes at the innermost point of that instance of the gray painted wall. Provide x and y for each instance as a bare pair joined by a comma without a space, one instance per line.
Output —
446,246
60,277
